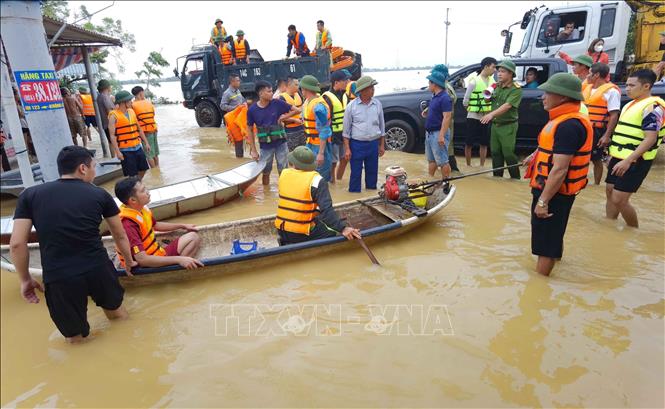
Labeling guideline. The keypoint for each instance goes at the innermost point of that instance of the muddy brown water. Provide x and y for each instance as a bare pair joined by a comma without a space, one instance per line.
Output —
454,317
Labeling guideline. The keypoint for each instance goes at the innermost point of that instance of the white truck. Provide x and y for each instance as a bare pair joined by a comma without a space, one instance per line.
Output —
543,30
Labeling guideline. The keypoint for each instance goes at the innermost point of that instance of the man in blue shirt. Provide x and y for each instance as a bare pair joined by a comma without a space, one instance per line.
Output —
268,114
364,135
531,78
437,125
296,41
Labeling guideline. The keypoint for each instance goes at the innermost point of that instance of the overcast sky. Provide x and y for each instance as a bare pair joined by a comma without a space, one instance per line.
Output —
392,33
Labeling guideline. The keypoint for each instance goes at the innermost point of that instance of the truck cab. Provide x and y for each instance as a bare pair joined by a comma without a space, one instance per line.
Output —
544,28
203,77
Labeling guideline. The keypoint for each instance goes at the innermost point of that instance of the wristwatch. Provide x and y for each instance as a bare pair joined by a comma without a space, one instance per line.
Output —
540,203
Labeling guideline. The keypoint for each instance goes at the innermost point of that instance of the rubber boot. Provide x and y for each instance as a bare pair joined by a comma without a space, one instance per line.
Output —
239,149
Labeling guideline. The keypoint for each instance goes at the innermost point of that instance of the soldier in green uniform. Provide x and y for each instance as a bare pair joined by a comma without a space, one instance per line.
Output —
506,100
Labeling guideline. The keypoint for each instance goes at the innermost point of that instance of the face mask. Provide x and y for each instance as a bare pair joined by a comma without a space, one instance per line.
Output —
598,48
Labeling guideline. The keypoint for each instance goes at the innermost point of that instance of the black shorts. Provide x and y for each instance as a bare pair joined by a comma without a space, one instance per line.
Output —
547,234
477,133
134,162
90,120
67,299
596,152
632,179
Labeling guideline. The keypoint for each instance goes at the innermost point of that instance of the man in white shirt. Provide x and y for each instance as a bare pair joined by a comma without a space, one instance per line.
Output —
603,99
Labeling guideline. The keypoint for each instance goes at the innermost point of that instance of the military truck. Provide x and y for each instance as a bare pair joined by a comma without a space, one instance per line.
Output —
203,77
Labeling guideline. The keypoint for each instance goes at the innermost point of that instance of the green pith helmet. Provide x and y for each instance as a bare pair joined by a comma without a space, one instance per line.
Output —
103,84
508,65
364,82
84,90
123,96
302,158
564,84
584,60
219,20
309,82
240,33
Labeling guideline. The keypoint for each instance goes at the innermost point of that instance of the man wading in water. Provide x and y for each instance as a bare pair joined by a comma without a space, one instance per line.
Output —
66,214
558,168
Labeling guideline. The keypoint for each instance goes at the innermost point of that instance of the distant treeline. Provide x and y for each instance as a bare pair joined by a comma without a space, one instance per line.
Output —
405,68
138,81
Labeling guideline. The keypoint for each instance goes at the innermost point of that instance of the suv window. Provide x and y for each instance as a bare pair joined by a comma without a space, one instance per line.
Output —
459,79
607,17
562,28
541,74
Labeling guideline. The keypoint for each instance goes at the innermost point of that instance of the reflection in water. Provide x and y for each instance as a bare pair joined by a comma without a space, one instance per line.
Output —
591,335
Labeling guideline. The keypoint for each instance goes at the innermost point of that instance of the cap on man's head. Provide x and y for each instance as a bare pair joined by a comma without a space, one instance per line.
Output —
338,75
302,158
564,84
584,59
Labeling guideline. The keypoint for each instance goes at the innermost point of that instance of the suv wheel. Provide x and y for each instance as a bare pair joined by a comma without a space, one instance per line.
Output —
400,136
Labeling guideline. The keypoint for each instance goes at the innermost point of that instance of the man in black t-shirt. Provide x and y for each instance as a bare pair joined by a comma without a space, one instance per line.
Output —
66,214
559,167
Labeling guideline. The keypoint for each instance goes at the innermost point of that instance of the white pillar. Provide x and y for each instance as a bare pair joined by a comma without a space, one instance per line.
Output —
25,42
12,124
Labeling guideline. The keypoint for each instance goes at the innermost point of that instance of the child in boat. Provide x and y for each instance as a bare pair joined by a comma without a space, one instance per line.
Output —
140,226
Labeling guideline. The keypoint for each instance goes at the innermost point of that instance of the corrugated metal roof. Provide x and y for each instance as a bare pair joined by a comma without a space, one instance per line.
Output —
77,70
75,35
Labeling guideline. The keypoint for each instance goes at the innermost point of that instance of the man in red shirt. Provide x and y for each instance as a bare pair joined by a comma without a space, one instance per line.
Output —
140,226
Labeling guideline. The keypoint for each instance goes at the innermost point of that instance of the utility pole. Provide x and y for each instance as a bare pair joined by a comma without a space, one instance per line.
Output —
12,123
447,23
24,38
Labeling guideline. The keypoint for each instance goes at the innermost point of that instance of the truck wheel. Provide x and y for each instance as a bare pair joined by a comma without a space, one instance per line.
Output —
207,114
400,136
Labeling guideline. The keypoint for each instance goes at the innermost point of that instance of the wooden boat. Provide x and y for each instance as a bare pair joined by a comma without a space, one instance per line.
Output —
12,184
183,197
376,219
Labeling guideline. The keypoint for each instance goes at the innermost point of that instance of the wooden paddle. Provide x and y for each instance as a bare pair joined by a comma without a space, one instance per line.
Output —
367,250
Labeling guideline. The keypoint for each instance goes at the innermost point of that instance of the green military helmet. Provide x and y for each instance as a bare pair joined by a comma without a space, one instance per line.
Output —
303,158
240,33
564,84
508,65
219,20
364,82
123,96
309,82
84,90
584,60
103,84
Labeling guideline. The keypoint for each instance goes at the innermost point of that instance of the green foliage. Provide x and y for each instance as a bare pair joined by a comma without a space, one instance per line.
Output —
57,9
151,71
630,38
112,28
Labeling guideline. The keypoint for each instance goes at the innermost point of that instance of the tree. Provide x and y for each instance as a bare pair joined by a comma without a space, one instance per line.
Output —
152,70
112,28
57,9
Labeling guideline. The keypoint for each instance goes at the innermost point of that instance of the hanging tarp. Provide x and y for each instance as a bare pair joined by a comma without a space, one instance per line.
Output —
66,56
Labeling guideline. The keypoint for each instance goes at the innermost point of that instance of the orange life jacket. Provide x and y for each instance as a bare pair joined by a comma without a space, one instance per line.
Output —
126,130
227,55
295,101
576,177
144,220
295,42
236,123
597,105
309,119
324,39
296,209
88,107
241,52
145,113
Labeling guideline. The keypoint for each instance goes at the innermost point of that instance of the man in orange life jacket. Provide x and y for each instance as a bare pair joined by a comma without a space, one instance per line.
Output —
603,100
558,167
296,41
145,113
126,137
305,211
88,110
226,51
240,48
140,226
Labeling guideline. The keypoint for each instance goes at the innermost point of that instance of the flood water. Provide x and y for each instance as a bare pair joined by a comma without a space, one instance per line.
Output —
454,317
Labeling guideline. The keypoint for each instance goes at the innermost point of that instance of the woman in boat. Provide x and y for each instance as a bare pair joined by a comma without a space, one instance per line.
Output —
140,226
305,210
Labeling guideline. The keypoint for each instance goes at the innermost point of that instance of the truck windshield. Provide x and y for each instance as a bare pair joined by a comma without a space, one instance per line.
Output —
527,36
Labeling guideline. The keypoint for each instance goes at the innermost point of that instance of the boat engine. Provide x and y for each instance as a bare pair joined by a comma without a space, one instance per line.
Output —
395,188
